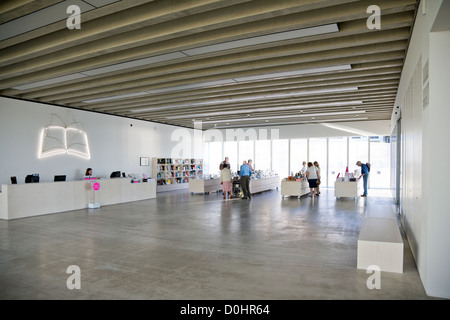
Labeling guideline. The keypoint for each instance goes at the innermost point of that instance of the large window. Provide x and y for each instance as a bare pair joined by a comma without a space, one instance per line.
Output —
246,151
262,155
280,156
230,150
380,172
318,152
299,153
358,150
337,158
286,155
215,157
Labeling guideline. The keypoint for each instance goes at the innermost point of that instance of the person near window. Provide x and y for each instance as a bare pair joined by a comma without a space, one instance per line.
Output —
364,175
244,174
225,181
224,162
311,176
316,164
304,168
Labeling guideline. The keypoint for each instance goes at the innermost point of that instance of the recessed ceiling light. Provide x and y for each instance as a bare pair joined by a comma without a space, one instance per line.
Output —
292,73
287,35
322,122
284,108
323,114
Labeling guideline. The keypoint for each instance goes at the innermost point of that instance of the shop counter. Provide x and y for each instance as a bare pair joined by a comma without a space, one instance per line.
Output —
33,199
204,185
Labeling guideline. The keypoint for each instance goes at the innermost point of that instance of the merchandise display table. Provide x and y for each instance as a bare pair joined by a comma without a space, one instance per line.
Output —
34,199
263,184
204,185
294,188
348,189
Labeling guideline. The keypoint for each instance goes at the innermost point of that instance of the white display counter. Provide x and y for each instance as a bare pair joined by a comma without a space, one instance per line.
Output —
33,199
204,185
263,184
351,189
294,188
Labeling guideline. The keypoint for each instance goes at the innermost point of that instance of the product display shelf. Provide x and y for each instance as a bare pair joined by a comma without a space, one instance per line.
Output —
175,173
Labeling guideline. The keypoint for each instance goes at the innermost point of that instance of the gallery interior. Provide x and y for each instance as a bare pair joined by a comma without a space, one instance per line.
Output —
116,119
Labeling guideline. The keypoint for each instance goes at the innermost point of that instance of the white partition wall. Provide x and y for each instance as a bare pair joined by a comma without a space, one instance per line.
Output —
115,143
423,100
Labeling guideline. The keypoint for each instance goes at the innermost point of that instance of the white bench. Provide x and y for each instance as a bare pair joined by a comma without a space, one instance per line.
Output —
380,243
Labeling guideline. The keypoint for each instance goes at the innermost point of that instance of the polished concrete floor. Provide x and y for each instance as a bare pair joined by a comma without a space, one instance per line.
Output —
199,246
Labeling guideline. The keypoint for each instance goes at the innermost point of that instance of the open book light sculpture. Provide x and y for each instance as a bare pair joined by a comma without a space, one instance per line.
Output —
58,137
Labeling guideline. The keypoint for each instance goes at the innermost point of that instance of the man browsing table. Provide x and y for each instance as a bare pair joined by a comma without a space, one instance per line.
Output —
244,174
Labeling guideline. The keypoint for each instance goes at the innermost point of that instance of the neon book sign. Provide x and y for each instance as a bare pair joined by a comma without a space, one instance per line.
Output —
60,137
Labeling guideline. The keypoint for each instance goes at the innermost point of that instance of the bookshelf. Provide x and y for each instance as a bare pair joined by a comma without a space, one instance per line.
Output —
175,173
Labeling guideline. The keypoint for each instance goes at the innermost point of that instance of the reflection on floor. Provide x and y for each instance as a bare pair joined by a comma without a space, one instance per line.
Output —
199,246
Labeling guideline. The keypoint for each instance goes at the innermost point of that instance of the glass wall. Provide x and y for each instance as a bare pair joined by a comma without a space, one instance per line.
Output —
262,155
299,153
284,156
246,151
318,152
230,150
215,157
358,150
280,157
337,158
380,172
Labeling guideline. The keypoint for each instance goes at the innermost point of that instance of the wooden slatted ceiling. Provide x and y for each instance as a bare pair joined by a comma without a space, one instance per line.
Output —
144,60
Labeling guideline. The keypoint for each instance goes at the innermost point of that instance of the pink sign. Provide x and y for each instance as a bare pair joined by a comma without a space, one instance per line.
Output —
96,186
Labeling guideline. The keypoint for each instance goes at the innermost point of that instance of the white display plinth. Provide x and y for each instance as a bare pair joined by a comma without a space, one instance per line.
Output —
352,189
263,184
380,243
294,188
92,186
204,185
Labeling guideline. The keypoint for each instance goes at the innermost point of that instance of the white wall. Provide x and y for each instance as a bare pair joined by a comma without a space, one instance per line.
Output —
426,150
436,186
115,145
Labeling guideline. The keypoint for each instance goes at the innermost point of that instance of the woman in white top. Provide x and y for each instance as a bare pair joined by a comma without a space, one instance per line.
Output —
311,175
316,164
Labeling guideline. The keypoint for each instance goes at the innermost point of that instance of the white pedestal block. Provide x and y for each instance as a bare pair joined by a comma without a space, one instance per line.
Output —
380,243
204,185
294,188
352,189
263,184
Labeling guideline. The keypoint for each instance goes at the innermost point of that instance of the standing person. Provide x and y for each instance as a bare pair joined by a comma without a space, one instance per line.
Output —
311,175
249,162
304,168
316,164
225,181
244,174
365,175
224,162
